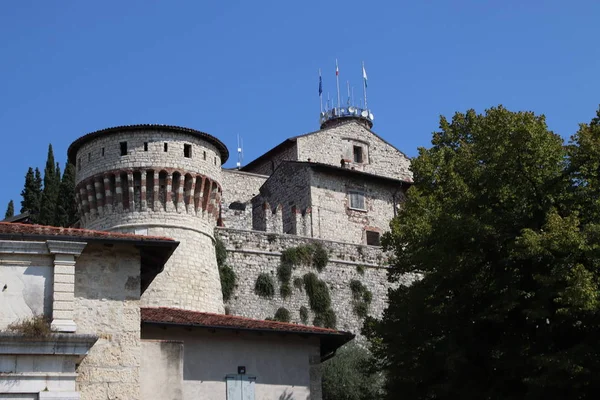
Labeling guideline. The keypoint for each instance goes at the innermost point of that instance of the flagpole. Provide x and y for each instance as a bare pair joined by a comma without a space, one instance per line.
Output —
320,90
364,84
348,86
352,95
337,78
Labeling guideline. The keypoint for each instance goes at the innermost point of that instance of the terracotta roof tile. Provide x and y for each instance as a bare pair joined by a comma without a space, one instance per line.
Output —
202,319
12,229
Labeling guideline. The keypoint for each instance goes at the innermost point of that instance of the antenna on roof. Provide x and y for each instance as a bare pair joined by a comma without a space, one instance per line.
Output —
240,151
348,85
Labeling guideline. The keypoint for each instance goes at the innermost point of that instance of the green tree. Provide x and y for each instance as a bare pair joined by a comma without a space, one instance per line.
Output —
347,376
499,230
32,193
50,192
66,209
10,210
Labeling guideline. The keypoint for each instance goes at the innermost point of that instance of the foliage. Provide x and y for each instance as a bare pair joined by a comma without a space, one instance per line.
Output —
285,290
66,207
10,210
36,326
320,257
32,194
361,298
303,314
348,376
282,315
220,252
360,269
50,191
228,279
317,292
319,301
502,226
311,255
264,286
298,283
284,272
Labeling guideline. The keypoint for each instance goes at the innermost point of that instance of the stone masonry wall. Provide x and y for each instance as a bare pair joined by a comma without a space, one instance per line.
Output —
239,188
330,146
107,292
269,165
334,219
251,253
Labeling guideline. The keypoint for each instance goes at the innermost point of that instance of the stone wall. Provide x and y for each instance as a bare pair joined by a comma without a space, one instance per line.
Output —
270,164
334,219
330,146
107,292
289,188
251,253
239,188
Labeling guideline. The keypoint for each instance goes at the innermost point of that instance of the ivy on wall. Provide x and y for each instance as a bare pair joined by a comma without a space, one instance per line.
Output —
361,298
310,255
226,273
319,301
303,314
264,286
282,315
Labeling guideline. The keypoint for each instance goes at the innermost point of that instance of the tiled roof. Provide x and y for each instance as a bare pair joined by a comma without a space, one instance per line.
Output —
193,318
27,230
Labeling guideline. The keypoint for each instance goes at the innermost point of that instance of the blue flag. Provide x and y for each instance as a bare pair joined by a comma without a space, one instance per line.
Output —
320,85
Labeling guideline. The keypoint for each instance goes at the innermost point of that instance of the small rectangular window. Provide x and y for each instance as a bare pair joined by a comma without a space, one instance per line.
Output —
89,156
358,154
145,146
357,200
187,150
123,148
204,156
215,160
373,238
103,152
166,147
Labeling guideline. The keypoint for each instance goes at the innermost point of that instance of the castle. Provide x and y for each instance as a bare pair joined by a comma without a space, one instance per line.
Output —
158,196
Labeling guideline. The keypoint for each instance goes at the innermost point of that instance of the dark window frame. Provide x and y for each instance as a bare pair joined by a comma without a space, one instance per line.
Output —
351,203
123,148
187,150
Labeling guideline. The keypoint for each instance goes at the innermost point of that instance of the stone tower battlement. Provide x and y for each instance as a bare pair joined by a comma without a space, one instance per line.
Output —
163,181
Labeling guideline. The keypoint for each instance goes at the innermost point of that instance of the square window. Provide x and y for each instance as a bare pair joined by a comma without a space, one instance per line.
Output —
357,200
373,238
187,150
145,146
358,154
123,148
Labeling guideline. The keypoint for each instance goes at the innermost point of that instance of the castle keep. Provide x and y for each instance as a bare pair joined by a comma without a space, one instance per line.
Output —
142,300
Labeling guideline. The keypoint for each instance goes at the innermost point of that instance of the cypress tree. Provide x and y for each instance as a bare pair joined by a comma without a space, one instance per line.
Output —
66,209
32,193
10,211
50,192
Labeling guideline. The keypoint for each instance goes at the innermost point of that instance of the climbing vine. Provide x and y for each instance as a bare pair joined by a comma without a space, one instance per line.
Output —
361,298
319,301
226,273
304,315
282,315
264,286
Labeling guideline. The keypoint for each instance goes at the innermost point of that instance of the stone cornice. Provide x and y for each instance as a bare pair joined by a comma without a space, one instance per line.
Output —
54,344
62,247
22,247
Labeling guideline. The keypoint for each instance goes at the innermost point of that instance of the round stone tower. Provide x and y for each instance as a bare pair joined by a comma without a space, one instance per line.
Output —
163,181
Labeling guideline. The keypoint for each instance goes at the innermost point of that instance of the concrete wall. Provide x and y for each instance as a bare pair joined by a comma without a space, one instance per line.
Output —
240,188
107,292
252,253
161,373
330,146
26,286
281,364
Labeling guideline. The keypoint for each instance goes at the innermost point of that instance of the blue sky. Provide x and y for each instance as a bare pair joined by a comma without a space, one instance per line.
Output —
250,68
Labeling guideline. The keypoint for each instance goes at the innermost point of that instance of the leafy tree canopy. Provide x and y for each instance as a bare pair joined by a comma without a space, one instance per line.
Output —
502,225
